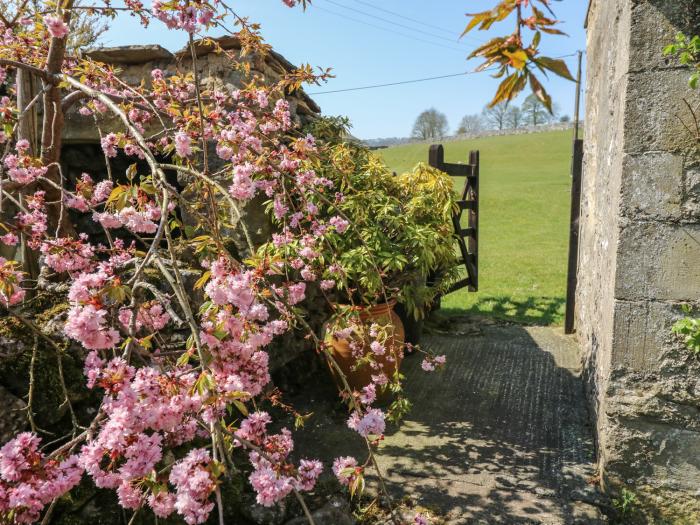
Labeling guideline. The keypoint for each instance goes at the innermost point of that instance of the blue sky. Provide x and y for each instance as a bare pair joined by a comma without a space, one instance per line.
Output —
367,46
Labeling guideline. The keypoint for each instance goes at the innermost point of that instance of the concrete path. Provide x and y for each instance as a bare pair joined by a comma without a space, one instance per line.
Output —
501,435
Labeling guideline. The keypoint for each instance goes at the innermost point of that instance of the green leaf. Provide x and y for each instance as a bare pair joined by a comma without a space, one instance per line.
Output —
241,407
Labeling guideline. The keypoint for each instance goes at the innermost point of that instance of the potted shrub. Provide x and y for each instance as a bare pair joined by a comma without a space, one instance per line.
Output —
393,231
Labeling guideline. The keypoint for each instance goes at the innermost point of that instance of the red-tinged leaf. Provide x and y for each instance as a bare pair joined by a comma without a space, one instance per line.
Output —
494,43
557,66
552,31
500,73
491,61
541,93
536,40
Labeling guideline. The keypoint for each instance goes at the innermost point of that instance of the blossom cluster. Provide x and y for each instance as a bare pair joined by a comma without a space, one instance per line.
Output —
273,477
22,167
164,394
29,480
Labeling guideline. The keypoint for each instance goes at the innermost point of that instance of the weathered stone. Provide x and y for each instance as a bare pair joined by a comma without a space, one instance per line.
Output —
639,256
657,21
259,515
652,185
13,416
137,54
658,261
654,105
691,204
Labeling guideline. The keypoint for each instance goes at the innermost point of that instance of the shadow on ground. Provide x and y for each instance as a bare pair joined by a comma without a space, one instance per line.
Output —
541,311
501,435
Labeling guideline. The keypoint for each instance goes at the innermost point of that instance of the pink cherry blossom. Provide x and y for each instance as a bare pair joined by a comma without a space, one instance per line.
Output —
371,423
340,467
88,325
183,144
56,26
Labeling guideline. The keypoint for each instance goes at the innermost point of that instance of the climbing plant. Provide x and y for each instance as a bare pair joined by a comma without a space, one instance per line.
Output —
687,51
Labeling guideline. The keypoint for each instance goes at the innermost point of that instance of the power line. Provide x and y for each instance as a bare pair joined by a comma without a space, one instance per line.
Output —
412,37
421,22
402,82
365,13
395,83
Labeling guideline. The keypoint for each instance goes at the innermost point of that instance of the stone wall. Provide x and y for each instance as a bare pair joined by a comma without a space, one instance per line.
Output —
135,64
640,254
82,153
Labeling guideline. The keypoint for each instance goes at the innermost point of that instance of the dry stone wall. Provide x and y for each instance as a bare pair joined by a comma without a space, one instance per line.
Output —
640,254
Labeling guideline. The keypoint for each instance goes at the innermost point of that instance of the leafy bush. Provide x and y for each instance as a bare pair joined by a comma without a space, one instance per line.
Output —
688,329
401,229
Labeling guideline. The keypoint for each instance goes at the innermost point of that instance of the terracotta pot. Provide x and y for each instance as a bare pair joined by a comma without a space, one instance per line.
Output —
383,315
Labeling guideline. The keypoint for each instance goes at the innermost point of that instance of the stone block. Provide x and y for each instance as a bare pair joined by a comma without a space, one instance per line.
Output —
652,185
137,54
658,261
653,106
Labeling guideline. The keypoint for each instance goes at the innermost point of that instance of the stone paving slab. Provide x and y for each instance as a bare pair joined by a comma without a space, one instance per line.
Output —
501,435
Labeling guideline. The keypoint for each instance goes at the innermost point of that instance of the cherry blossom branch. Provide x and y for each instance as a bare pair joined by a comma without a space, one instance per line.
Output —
224,194
266,456
41,73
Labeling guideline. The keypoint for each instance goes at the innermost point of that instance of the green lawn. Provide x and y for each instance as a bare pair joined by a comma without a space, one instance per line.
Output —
523,223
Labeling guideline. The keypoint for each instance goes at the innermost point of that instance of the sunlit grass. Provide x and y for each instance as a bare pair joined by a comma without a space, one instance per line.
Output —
524,216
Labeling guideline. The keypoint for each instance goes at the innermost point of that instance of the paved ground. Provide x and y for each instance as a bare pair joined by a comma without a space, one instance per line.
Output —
501,435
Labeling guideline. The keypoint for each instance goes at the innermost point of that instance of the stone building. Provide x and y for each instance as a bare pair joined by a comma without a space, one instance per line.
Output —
640,253
81,140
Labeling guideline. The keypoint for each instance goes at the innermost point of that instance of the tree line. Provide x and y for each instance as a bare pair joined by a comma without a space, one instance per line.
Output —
432,124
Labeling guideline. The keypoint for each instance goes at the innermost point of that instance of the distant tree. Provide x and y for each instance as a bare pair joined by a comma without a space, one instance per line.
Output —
495,117
536,113
470,124
565,118
514,117
431,124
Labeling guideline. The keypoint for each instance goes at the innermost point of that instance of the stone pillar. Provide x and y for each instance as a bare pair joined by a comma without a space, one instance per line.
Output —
640,253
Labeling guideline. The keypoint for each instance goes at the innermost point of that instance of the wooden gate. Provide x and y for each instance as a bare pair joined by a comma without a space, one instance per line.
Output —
467,236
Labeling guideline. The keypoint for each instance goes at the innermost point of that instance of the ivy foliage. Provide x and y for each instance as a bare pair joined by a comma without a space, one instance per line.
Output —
687,50
688,329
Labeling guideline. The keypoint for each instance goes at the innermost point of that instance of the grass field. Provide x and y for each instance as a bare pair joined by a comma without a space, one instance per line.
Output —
524,214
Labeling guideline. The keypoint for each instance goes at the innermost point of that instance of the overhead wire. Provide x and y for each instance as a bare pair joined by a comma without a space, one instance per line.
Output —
412,37
402,82
414,20
453,40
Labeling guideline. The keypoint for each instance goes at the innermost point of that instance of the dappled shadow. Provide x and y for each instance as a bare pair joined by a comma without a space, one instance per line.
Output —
541,311
501,435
